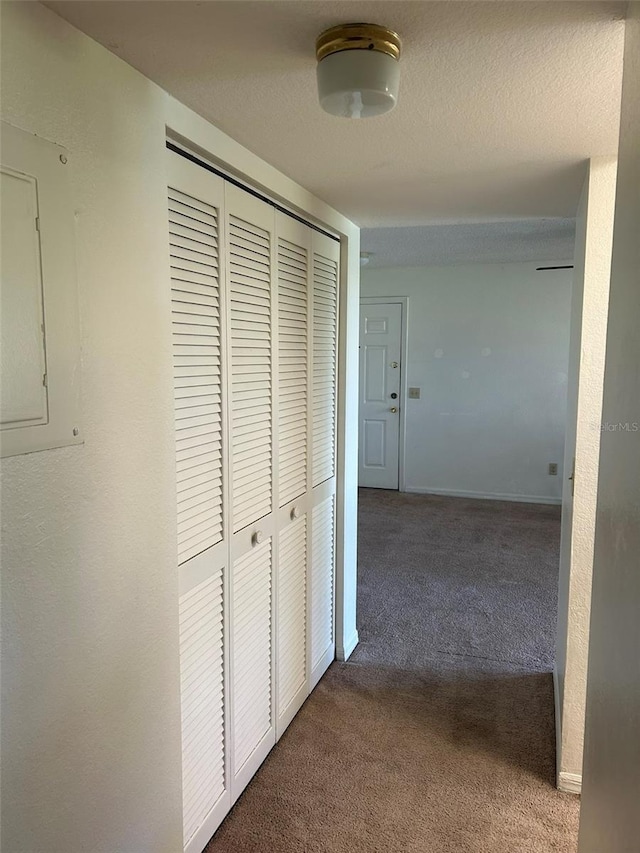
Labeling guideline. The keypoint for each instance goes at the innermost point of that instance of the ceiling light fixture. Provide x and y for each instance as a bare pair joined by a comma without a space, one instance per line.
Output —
358,70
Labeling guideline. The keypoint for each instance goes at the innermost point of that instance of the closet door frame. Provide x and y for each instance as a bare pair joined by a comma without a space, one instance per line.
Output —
214,150
195,136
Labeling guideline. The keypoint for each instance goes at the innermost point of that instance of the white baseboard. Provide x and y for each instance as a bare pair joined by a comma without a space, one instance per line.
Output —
343,653
558,720
487,496
570,783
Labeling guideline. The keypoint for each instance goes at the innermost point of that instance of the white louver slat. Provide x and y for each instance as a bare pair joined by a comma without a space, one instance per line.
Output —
292,370
249,264
202,697
251,651
322,560
292,580
195,304
325,306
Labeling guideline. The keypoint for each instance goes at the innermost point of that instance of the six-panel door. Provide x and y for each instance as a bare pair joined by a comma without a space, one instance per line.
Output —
380,382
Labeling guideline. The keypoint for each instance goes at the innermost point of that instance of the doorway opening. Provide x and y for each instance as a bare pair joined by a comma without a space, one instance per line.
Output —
458,562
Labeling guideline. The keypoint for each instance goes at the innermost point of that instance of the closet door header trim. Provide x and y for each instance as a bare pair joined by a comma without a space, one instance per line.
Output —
248,189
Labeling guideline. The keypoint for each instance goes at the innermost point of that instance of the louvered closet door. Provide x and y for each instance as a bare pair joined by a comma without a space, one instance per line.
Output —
253,729
292,680
322,590
195,235
294,243
293,470
324,370
250,256
325,347
252,319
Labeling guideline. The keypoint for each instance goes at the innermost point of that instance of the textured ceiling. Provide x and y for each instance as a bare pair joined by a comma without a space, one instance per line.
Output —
499,101
537,240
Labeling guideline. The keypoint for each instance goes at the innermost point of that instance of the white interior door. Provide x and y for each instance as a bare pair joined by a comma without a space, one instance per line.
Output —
380,384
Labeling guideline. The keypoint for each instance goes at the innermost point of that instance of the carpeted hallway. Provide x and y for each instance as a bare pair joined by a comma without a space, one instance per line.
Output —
437,736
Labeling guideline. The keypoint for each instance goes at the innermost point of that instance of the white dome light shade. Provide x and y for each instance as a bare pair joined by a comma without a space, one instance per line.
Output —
358,83
358,70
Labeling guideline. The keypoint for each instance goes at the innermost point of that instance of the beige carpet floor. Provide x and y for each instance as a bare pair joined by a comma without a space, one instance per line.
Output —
437,736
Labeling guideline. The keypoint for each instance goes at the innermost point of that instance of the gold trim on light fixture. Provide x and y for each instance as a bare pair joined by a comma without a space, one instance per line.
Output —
358,37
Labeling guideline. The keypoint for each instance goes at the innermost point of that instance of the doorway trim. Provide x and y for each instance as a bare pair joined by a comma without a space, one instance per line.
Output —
187,129
403,301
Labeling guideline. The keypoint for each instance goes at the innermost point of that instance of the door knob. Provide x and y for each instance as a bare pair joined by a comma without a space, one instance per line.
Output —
257,538
394,396
394,364
295,513
393,410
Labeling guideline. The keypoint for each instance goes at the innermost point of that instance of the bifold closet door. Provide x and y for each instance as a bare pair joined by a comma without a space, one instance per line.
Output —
254,299
195,200
323,413
251,318
293,470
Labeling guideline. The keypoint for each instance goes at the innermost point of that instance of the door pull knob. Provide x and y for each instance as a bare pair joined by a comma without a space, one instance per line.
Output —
393,410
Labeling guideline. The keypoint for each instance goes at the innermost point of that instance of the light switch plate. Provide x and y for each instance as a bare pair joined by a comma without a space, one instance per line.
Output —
414,393
553,469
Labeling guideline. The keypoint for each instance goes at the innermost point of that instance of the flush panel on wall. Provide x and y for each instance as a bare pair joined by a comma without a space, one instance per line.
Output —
23,364
254,327
39,339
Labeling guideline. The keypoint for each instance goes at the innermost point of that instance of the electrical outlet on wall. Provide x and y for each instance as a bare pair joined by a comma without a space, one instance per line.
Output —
553,469
414,393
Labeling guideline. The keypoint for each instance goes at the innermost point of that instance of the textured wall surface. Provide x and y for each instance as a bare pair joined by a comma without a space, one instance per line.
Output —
488,347
584,407
577,292
610,817
90,704
90,710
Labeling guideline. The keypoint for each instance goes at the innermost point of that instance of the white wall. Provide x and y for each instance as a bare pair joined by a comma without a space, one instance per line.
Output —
488,347
610,817
594,231
90,697
90,712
